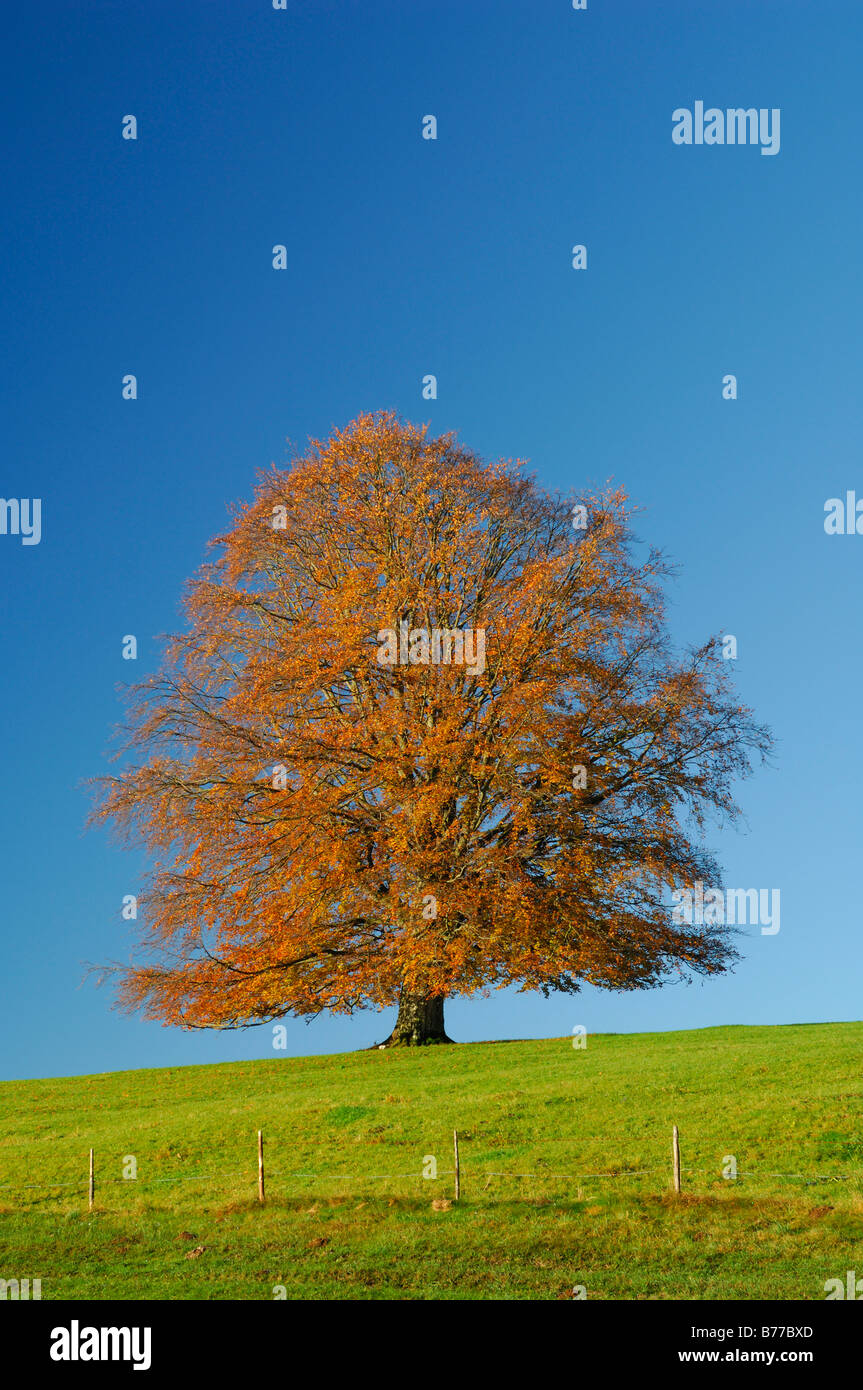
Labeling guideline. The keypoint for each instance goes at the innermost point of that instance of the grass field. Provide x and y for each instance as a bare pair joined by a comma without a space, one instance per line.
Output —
361,1223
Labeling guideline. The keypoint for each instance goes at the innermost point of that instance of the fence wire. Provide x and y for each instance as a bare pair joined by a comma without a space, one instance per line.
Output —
247,1176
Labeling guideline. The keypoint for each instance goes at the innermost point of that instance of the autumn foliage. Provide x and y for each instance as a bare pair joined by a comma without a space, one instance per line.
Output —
332,833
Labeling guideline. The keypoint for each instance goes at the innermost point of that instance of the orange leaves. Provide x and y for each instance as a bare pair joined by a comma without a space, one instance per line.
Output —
307,800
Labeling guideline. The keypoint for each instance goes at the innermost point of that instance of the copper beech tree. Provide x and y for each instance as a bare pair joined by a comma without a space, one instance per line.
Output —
347,807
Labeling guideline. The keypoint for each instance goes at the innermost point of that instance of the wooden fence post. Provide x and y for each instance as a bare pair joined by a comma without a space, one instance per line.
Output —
675,1157
260,1165
457,1172
91,1189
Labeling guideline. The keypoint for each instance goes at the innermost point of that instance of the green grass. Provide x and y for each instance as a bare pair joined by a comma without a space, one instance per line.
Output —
783,1100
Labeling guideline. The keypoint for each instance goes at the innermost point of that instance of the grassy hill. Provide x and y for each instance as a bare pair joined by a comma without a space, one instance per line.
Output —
349,1214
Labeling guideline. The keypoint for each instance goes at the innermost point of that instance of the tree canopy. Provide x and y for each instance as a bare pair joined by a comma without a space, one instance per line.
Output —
345,810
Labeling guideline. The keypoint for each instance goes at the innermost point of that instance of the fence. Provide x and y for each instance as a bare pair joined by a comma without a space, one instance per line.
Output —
677,1172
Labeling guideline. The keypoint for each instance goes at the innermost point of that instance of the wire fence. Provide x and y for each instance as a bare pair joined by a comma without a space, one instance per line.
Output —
241,1177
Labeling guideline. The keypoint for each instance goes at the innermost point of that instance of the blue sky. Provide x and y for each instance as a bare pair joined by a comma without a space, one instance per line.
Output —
407,257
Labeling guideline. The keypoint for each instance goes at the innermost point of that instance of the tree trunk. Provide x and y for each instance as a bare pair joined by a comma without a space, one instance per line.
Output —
420,1022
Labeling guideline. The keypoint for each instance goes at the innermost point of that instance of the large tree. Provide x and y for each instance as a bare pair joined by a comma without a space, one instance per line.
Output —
340,820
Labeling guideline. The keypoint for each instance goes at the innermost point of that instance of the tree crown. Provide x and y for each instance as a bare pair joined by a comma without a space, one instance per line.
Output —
345,806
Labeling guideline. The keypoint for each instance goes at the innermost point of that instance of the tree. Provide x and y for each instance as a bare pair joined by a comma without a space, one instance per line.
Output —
424,735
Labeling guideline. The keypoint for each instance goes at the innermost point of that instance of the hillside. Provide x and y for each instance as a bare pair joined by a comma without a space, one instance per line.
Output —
349,1214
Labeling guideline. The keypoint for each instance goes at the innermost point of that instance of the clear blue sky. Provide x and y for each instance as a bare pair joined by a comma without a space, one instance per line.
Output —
408,257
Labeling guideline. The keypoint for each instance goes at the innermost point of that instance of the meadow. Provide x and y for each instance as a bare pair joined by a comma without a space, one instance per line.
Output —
565,1157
